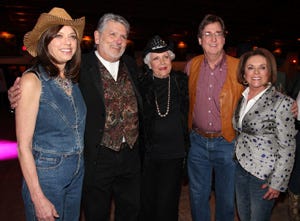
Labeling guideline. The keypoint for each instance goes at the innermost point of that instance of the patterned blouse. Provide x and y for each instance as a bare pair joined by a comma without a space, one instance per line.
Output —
265,144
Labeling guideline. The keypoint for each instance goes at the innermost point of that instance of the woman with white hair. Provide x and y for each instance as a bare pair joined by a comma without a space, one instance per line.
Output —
165,107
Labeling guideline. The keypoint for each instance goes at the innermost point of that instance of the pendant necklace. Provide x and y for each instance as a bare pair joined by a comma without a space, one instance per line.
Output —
65,84
168,102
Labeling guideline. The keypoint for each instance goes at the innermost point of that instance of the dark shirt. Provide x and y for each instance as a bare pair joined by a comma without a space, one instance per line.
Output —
167,136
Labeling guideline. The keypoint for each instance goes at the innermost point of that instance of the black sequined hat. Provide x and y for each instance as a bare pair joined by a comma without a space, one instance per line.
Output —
157,45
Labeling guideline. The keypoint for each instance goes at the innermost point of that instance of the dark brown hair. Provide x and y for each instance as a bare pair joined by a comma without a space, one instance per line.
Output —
271,64
48,61
209,19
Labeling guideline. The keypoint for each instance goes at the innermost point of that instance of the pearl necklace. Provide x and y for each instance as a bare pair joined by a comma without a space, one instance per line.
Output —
168,103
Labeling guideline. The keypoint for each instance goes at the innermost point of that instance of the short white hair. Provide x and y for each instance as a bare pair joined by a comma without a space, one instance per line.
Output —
147,57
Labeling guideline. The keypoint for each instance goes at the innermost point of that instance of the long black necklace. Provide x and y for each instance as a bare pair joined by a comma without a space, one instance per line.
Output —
168,102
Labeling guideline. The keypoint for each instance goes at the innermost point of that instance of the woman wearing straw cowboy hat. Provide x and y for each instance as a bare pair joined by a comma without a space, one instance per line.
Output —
50,119
108,82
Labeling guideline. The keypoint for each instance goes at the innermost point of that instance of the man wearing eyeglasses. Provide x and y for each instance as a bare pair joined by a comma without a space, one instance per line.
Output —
214,92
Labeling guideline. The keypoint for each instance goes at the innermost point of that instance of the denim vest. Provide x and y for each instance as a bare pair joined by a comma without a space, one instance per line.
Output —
60,121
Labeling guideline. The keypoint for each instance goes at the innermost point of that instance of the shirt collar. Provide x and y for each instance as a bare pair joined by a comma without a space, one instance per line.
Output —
112,67
246,92
220,64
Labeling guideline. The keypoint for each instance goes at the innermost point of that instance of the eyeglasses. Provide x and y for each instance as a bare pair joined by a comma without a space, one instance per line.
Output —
217,34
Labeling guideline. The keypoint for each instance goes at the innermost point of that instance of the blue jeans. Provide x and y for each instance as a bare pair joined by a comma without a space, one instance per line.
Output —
205,156
249,197
60,177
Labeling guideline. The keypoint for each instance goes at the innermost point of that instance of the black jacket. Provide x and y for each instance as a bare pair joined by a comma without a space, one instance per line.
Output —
91,87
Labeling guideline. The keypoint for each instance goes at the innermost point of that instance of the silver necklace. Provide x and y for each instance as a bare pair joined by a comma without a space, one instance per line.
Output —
168,102
64,83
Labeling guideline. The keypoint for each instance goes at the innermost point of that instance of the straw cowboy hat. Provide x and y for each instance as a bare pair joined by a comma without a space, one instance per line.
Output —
56,16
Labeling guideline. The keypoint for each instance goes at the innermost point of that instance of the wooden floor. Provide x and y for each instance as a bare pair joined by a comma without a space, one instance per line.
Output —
11,205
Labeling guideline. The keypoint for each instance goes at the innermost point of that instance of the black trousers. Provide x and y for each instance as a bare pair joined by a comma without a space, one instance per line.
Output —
161,188
117,179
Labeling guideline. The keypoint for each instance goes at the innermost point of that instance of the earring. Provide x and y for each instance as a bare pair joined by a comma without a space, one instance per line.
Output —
245,82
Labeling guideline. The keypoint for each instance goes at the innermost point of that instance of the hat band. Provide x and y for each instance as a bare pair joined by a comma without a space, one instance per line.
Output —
158,47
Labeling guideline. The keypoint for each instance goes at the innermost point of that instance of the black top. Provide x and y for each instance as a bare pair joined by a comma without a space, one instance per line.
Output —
165,137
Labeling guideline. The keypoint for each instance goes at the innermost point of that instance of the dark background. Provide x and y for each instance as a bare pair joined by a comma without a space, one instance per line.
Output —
264,23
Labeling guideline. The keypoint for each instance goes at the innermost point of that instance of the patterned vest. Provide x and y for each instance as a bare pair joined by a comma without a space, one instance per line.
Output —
121,109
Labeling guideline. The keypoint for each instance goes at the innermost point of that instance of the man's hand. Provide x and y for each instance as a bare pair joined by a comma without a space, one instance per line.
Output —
14,93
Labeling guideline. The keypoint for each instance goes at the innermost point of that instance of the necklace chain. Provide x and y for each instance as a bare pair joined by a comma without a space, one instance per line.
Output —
64,83
168,102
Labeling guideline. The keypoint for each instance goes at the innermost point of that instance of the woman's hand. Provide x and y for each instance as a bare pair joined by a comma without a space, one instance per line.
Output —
45,210
271,193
